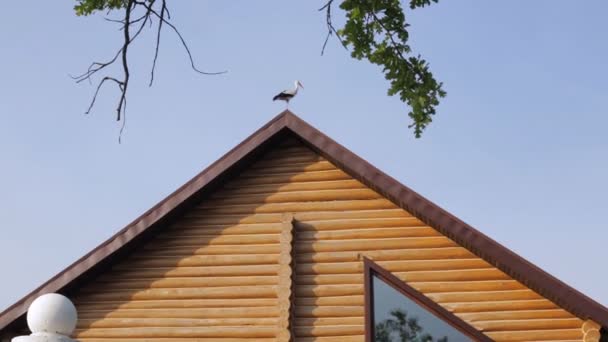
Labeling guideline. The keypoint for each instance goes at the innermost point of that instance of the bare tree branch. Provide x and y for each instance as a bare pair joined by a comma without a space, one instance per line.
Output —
124,121
330,26
125,65
98,66
103,80
163,10
181,38
127,23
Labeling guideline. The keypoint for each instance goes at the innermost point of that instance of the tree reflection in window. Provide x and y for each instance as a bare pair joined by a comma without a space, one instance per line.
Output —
399,319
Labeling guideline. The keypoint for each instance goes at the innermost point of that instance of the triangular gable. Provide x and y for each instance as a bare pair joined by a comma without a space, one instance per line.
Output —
239,157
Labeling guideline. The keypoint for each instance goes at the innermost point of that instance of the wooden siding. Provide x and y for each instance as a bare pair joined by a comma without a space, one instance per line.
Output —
214,274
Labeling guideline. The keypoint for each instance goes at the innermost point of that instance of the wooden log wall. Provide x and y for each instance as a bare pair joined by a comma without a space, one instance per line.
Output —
215,274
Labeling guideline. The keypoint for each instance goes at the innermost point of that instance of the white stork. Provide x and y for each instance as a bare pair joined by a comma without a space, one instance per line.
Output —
287,95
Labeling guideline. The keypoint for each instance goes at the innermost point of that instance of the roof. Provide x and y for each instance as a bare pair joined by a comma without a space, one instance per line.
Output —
283,125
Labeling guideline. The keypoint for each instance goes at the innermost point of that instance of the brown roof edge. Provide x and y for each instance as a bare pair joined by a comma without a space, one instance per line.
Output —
488,249
493,252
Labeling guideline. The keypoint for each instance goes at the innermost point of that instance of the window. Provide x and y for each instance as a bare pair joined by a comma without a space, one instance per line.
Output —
396,312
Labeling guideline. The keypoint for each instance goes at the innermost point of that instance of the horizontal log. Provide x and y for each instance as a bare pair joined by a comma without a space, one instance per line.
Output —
328,311
172,322
231,292
318,216
386,255
529,324
372,244
354,300
517,314
344,224
453,275
459,297
198,260
111,281
328,290
278,155
293,156
506,305
307,322
536,335
301,206
290,186
341,279
329,330
216,229
86,304
294,196
214,240
225,312
151,332
214,250
286,169
205,271
203,217
367,233
313,176
262,168
283,158
289,157
461,286
391,266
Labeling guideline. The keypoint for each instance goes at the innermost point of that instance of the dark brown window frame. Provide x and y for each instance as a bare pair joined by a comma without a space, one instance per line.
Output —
372,269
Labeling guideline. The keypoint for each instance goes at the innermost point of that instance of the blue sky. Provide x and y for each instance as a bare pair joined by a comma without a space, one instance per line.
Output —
518,149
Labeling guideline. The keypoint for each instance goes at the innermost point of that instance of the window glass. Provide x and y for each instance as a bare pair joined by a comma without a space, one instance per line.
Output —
399,319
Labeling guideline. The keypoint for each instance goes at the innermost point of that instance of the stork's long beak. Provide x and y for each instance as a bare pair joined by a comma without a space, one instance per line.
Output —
301,85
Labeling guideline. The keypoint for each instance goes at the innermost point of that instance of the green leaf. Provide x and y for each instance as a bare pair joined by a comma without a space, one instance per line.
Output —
87,7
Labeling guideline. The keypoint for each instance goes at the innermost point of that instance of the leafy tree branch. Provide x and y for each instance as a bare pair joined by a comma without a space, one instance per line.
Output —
376,30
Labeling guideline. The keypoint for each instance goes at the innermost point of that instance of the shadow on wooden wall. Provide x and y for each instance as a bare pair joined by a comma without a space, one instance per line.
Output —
213,272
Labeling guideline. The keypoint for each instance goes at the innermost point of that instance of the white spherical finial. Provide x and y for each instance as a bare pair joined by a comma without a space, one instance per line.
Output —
52,313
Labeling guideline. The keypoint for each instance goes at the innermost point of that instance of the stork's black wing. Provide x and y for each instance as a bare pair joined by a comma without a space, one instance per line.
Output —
282,96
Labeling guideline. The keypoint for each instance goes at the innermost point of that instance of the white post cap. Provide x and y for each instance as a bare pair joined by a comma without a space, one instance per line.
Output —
51,318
